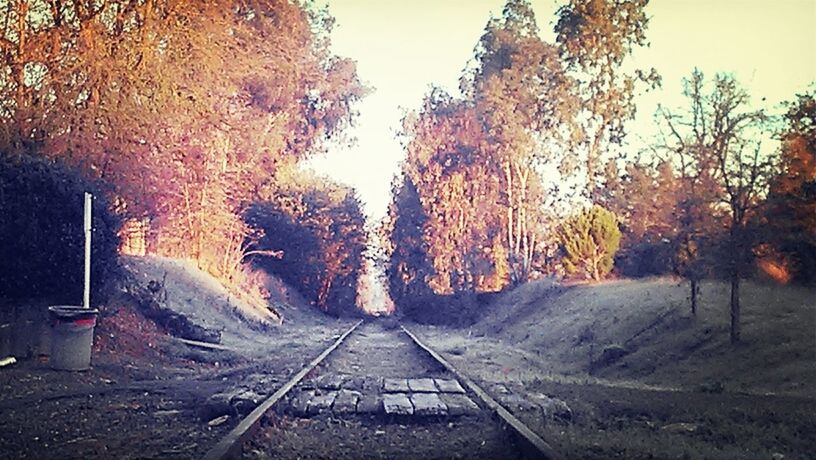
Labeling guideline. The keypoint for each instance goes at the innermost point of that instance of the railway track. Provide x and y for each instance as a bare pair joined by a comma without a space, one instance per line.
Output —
377,386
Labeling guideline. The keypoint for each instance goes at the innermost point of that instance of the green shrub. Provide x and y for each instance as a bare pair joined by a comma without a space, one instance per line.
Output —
589,241
41,232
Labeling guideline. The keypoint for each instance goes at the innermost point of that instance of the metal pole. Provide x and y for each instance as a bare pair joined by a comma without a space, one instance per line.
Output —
87,294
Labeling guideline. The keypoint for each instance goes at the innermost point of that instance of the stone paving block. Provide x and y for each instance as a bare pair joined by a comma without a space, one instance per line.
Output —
246,401
397,404
449,386
459,404
515,402
395,386
422,386
299,405
499,389
320,403
355,383
346,402
428,404
330,381
371,403
372,384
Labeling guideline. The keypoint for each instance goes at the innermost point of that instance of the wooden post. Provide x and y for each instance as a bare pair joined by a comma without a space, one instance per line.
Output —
87,293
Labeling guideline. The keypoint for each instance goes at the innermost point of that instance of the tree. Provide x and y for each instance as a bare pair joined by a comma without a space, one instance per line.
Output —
523,97
475,163
716,142
316,228
186,108
685,144
595,37
645,198
589,241
408,264
457,185
41,230
791,209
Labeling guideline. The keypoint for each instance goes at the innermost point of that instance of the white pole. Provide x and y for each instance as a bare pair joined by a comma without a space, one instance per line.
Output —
87,294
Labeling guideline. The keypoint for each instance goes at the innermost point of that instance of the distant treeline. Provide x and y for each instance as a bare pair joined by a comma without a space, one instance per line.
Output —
526,173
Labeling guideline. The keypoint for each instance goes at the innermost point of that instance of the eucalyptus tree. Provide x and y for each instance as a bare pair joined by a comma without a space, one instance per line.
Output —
524,99
595,37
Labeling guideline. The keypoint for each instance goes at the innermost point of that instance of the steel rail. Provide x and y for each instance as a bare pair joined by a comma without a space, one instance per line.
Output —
232,444
541,447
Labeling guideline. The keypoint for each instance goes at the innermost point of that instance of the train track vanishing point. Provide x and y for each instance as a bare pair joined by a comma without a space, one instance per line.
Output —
231,446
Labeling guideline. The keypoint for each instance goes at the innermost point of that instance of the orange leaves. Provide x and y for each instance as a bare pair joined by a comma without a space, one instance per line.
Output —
187,108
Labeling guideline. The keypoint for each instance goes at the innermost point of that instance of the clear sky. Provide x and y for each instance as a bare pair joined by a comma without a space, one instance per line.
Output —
403,46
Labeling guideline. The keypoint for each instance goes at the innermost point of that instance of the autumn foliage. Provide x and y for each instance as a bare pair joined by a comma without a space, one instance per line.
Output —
790,212
186,109
481,215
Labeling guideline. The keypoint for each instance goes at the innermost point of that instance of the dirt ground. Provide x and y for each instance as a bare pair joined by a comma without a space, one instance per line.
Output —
371,438
382,352
143,395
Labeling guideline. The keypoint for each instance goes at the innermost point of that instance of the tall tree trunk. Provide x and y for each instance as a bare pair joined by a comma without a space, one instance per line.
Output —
695,289
508,175
202,224
19,70
522,245
736,254
323,292
189,216
593,158
735,308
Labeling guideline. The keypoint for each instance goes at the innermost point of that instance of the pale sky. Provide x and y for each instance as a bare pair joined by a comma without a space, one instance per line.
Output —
404,46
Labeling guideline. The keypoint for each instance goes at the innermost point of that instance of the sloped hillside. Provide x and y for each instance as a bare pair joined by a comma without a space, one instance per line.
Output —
642,330
243,325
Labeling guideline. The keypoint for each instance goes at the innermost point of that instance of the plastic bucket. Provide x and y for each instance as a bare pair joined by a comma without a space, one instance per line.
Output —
71,337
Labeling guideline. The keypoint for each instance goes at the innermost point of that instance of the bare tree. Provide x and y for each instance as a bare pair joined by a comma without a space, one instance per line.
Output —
716,146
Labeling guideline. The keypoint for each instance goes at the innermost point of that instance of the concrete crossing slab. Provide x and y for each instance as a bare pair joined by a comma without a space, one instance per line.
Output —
320,404
449,386
395,386
370,404
345,402
370,395
422,386
428,404
397,404
459,404
299,405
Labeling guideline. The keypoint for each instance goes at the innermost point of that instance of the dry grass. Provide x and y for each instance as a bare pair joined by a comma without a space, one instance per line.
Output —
205,301
567,328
